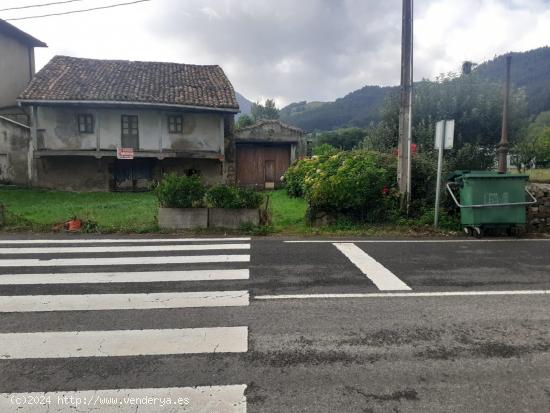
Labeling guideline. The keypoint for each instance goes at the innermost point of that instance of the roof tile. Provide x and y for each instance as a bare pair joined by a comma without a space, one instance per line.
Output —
71,78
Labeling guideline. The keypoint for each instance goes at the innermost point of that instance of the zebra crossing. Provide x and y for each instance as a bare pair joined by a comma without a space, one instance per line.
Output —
62,264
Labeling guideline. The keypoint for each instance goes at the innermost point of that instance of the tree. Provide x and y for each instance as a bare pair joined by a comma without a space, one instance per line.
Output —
244,121
535,143
345,139
267,111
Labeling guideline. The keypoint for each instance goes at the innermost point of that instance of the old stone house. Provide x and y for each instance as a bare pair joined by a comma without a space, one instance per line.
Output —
87,114
264,151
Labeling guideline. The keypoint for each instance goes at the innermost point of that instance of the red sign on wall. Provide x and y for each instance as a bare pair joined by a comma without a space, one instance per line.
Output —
125,153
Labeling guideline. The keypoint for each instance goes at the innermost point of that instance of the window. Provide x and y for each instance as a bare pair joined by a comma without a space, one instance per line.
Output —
130,133
85,123
175,124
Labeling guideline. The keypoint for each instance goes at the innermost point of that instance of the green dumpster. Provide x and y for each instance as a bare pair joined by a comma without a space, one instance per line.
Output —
490,199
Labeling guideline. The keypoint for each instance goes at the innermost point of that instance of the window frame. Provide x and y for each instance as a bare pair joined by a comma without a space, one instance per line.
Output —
85,123
129,125
175,124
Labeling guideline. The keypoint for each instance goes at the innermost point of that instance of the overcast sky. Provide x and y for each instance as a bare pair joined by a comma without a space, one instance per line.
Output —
291,50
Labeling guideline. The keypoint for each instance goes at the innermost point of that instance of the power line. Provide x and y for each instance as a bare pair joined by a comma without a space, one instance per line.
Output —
77,11
40,5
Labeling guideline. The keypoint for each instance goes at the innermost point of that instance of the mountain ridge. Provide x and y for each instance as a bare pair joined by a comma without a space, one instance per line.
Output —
530,71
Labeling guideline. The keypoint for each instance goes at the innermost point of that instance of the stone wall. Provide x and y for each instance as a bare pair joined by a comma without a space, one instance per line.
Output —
14,152
538,215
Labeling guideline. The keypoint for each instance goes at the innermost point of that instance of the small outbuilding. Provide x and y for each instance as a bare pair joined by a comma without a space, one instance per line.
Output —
264,151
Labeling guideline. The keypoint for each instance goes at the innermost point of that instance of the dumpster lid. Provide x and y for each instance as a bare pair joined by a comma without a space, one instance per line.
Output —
493,175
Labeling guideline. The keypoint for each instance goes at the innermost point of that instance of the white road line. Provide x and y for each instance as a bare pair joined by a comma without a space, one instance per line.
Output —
123,342
123,277
383,278
414,241
132,248
410,295
116,240
92,302
61,262
203,399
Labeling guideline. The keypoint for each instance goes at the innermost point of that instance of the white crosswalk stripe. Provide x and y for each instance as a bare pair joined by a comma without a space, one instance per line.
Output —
202,399
132,248
57,261
123,277
89,302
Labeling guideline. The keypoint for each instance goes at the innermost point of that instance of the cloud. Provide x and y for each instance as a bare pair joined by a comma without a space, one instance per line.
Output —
297,50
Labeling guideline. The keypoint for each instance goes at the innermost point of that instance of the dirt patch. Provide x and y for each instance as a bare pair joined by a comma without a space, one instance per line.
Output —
308,357
491,349
406,394
387,337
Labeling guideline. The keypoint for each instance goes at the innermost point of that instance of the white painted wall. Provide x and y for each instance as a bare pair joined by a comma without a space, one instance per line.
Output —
58,130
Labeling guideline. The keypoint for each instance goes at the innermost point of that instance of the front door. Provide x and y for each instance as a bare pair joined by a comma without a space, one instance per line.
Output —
130,132
269,174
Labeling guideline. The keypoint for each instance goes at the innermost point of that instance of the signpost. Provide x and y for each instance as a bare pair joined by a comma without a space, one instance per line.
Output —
444,136
125,153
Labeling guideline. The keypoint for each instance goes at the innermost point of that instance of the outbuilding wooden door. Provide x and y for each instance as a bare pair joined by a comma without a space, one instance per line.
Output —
262,165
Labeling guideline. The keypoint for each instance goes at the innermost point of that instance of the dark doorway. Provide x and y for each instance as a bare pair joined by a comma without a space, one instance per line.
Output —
132,175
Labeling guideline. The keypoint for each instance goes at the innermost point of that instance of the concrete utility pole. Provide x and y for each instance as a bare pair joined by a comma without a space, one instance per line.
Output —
405,109
502,147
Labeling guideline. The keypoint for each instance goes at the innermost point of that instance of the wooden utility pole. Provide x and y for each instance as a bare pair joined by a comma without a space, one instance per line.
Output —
405,108
502,147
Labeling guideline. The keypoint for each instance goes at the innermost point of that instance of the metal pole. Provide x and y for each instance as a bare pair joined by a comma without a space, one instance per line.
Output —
405,110
439,168
502,147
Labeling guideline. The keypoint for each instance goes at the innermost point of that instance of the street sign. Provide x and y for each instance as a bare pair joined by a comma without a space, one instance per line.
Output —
444,129
444,136
125,153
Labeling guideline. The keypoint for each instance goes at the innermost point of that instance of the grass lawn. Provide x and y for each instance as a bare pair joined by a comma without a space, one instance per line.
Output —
537,175
287,213
40,210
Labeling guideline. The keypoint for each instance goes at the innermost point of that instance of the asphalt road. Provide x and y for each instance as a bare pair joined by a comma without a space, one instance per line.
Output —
469,331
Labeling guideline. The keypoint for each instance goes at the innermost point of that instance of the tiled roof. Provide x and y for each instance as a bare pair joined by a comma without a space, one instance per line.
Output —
263,122
67,78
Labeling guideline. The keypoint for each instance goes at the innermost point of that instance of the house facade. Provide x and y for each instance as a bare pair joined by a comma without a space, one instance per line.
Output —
16,68
114,125
264,151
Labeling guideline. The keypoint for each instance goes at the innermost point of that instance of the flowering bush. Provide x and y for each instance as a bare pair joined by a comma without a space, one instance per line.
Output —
359,183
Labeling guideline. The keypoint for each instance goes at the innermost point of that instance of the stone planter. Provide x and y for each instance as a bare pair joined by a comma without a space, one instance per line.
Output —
232,218
183,218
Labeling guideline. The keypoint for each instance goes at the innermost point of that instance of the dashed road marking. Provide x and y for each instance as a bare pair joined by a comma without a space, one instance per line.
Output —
383,278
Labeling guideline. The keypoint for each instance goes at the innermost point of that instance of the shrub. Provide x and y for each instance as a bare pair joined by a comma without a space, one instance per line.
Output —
423,181
358,183
224,196
175,191
249,198
295,175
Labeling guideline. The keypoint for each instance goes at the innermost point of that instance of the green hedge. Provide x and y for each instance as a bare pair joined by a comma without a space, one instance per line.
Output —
224,196
175,191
